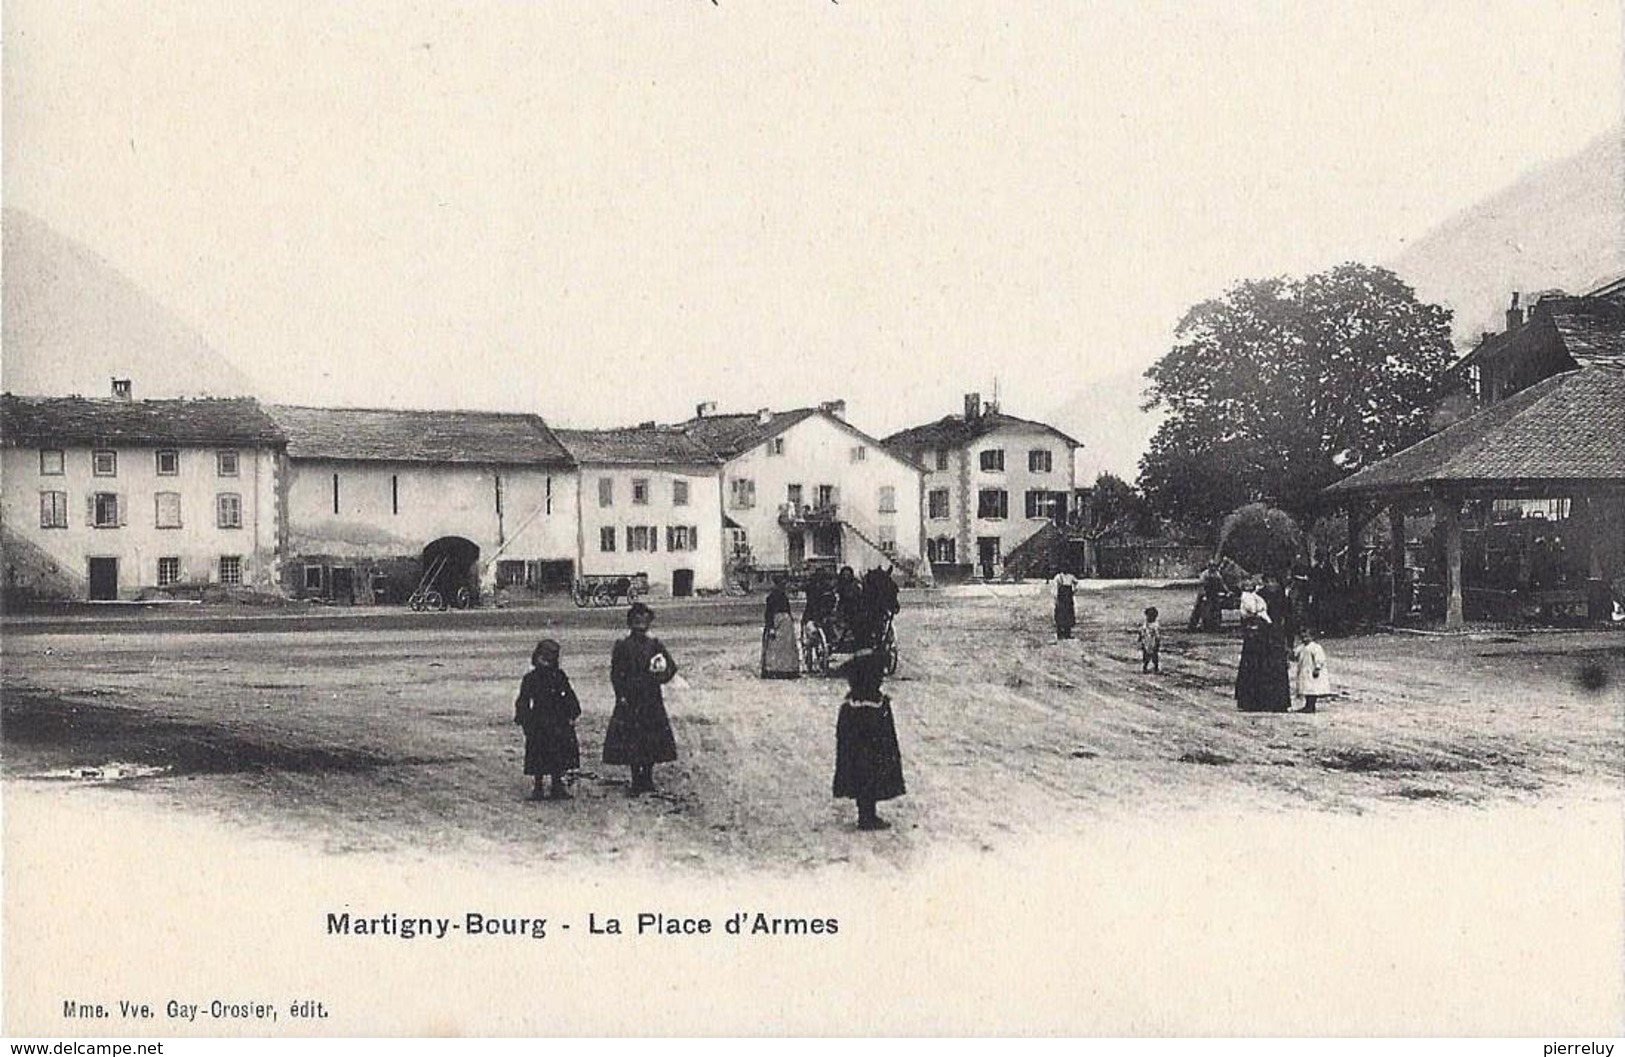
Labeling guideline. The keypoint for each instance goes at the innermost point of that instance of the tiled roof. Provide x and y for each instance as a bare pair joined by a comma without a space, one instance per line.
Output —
367,434
636,446
729,435
954,431
1569,427
74,420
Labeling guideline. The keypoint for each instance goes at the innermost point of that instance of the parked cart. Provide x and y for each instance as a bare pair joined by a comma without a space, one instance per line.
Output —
603,591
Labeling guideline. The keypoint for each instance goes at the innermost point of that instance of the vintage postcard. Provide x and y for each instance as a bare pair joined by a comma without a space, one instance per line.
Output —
690,517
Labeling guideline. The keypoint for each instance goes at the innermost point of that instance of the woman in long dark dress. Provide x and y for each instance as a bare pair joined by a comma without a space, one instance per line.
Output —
868,763
781,657
1262,684
1066,613
639,733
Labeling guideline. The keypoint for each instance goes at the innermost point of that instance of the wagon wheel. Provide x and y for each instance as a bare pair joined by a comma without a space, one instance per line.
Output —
464,598
815,649
603,595
434,600
416,601
580,594
888,646
636,589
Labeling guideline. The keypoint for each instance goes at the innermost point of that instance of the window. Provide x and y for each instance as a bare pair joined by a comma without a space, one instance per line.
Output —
104,463
942,458
549,501
104,510
226,463
169,463
992,504
940,550
231,569
606,539
313,577
887,499
50,462
167,513
679,493
1040,460
937,504
775,446
741,493
335,493
169,571
827,495
682,538
511,573
641,538
394,493
860,453
1041,503
640,491
992,460
229,510
53,510
888,539
606,491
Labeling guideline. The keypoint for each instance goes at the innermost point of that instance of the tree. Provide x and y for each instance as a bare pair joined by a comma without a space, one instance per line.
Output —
1281,387
1114,505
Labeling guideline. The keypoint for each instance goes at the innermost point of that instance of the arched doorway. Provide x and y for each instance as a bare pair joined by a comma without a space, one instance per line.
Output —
451,566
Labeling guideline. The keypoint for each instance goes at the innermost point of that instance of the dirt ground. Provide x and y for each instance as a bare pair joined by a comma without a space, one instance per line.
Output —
1083,849
378,739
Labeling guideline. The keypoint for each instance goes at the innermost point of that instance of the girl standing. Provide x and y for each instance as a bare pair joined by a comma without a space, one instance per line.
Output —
547,709
639,734
868,763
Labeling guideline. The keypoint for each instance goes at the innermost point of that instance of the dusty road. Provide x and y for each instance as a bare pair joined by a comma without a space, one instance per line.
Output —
1083,849
377,738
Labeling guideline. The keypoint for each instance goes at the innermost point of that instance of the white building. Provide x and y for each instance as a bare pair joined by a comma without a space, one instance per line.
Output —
650,503
805,487
113,498
992,481
378,502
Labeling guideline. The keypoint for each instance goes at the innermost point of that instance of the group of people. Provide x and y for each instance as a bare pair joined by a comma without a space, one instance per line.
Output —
868,761
1263,679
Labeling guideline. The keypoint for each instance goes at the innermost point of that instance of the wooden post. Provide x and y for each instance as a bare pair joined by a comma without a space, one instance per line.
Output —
1594,532
1398,604
1447,513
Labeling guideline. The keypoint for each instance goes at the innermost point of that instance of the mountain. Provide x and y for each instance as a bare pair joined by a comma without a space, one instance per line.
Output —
1561,227
72,322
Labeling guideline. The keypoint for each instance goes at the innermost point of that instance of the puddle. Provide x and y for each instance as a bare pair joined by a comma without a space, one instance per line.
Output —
1366,760
107,772
1202,756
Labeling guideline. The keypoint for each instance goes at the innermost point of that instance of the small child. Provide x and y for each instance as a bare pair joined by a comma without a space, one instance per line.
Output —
868,763
547,708
1150,636
1313,681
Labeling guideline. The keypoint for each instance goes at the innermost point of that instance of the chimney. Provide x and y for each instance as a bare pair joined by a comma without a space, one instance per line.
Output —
973,406
709,407
764,415
121,389
834,407
1514,314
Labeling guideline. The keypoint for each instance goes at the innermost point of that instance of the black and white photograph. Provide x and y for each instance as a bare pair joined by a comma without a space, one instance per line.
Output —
700,518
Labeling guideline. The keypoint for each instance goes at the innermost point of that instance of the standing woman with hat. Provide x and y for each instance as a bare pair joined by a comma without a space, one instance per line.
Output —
639,734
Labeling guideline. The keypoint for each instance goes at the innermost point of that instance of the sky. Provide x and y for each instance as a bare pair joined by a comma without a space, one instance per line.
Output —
609,213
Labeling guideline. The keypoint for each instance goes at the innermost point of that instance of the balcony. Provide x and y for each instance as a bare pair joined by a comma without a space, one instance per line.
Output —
801,515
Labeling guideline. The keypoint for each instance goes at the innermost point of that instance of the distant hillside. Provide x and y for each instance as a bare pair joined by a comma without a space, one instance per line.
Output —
72,322
1561,227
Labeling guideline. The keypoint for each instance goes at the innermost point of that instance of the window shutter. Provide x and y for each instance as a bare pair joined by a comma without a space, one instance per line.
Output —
694,537
654,539
90,509
121,506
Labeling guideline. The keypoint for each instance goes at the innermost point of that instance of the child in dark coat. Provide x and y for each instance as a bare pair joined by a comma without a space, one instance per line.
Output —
868,763
547,709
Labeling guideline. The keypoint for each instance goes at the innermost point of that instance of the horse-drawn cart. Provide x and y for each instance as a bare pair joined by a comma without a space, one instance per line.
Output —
601,591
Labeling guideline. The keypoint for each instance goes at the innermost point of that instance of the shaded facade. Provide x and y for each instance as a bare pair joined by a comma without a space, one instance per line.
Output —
1527,494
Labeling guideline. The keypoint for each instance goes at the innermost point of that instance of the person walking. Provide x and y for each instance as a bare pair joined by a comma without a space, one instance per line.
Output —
547,710
1066,612
868,762
1261,676
639,733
